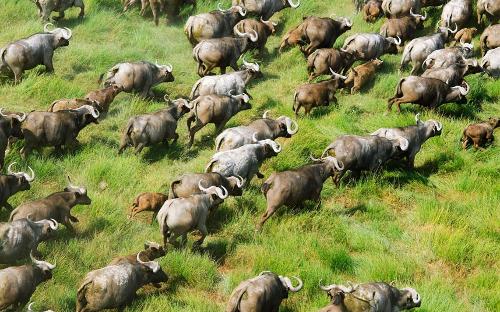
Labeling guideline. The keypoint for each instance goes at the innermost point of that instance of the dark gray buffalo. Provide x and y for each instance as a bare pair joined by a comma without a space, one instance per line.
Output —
17,284
179,216
232,83
427,92
215,24
315,33
151,252
417,50
456,12
294,187
488,8
266,8
46,7
443,58
322,60
262,293
373,297
10,129
115,286
243,161
260,129
20,238
263,28
138,77
149,129
222,52
415,134
367,46
215,109
35,50
55,129
189,184
403,27
400,8
56,206
360,153
13,182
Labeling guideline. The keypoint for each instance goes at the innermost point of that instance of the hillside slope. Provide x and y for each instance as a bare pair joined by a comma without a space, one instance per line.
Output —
435,228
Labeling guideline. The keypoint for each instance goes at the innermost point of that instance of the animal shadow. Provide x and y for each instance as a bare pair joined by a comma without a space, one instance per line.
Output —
158,152
217,251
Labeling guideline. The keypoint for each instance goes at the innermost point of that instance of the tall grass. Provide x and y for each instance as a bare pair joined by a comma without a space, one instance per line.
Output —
435,228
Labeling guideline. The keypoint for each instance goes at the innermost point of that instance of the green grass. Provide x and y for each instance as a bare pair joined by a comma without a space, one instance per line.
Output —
435,228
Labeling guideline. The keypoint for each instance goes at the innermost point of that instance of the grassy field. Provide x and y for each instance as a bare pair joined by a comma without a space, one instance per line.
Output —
436,228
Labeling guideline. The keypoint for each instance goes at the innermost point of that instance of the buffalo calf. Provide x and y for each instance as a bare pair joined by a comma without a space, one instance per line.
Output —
480,133
147,202
358,76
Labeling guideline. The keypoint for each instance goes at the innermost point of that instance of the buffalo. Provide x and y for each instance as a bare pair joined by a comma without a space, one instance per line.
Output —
263,28
456,12
71,104
12,183
216,109
361,74
55,129
215,24
139,77
147,202
56,206
10,128
46,7
243,161
315,33
154,128
367,46
234,83
448,56
372,9
403,27
179,216
266,8
415,134
488,8
261,129
151,252
104,97
17,284
480,133
293,187
322,60
490,38
465,35
360,153
264,292
20,238
491,62
222,52
373,297
35,50
400,8
188,184
115,286
427,92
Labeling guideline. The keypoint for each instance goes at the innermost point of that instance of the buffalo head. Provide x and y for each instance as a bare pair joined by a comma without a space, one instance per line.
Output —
23,178
61,35
80,192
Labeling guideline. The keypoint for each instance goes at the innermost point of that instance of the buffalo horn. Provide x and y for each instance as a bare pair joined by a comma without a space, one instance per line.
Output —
153,265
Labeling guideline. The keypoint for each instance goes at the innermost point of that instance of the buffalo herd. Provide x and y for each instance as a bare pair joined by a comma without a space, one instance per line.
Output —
219,39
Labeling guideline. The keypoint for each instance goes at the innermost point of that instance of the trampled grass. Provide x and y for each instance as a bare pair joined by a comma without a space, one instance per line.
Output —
435,228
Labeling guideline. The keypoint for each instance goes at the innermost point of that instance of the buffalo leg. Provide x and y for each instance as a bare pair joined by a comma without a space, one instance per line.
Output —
259,175
139,148
82,9
312,76
154,10
47,61
190,120
465,142
271,209
193,131
69,226
223,70
204,233
184,239
25,151
144,6
61,16
176,137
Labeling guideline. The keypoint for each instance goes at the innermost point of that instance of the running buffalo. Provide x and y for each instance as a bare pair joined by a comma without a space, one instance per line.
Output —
400,8
322,60
46,7
12,183
368,46
10,128
188,184
266,8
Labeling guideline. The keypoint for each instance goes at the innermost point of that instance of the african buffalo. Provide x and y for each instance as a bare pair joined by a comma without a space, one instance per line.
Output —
179,216
358,76
20,238
56,206
216,109
263,28
35,50
10,128
234,83
265,128
17,284
215,24
147,202
154,128
115,286
415,134
403,27
151,252
322,60
222,52
480,133
400,8
294,187
368,46
262,293
456,12
315,33
490,38
55,129
373,297
104,97
360,153
188,184
372,10
12,183
465,35
139,77
427,92
69,104
266,8
448,56
488,8
46,7
243,161
491,62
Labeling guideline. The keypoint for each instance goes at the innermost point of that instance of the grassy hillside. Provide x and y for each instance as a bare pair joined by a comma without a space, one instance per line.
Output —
435,228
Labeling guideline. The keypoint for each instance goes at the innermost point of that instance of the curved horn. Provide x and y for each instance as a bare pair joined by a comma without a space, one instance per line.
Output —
153,265
463,91
290,286
403,143
268,22
414,294
242,10
208,190
265,114
38,262
293,5
169,67
337,163
81,190
9,168
240,181
275,145
46,27
222,192
417,119
187,104
289,122
326,288
28,177
438,125
2,114
29,307
337,75
453,31
265,272
344,50
254,137
341,287
53,224
91,109
219,7
348,22
68,33
398,41
314,159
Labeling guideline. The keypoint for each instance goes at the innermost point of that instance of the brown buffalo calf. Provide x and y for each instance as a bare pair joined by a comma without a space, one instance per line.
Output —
321,93
360,75
372,10
104,97
68,104
480,133
147,202
465,35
